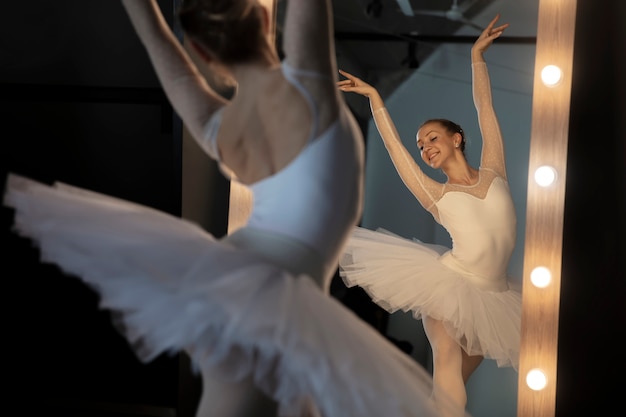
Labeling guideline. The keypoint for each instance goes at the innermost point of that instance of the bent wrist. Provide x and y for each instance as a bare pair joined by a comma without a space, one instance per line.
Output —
477,56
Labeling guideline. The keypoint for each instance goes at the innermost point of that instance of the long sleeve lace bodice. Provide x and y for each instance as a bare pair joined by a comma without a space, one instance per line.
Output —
428,191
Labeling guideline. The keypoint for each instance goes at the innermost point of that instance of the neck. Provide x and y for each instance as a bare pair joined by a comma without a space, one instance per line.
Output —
244,73
462,174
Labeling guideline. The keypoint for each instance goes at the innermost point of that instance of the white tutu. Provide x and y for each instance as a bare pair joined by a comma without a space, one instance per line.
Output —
407,275
175,287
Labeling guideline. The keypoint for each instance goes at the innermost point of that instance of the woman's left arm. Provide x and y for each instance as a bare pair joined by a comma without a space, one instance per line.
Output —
308,42
492,155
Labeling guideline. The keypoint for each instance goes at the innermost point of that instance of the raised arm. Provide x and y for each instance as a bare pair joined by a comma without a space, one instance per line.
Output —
184,85
493,146
424,188
308,39
308,44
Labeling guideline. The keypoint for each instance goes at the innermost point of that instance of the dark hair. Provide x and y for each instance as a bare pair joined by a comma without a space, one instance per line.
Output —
451,127
230,29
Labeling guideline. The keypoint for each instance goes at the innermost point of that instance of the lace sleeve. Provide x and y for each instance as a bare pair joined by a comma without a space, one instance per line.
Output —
425,189
493,147
183,83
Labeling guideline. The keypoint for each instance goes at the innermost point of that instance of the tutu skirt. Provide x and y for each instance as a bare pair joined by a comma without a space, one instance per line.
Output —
173,287
402,274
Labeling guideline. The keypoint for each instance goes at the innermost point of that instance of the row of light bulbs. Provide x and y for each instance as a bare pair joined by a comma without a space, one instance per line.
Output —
545,176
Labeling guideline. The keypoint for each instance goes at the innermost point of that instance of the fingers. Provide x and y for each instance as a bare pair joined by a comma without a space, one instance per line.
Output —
500,28
348,75
347,85
353,84
351,81
490,30
345,74
490,33
493,22
497,31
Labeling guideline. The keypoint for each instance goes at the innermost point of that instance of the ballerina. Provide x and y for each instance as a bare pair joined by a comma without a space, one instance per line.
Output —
468,307
252,309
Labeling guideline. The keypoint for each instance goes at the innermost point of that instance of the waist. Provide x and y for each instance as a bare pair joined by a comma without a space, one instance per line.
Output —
496,282
287,253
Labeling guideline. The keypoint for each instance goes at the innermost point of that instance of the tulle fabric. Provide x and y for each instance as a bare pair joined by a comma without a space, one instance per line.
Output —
173,287
407,275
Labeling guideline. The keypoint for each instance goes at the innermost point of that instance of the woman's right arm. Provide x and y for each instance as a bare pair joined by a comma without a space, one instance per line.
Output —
420,185
184,85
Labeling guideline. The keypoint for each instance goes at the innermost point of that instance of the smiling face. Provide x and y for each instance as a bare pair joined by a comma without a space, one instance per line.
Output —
437,143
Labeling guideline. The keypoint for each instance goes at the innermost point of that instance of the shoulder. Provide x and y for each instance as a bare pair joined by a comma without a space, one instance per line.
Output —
488,174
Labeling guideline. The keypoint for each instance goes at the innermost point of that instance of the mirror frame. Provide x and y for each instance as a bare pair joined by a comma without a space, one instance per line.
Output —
545,207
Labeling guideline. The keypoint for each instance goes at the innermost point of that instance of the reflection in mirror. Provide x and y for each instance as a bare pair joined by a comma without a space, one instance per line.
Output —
441,88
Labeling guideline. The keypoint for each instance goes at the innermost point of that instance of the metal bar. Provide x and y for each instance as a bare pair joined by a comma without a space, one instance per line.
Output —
403,37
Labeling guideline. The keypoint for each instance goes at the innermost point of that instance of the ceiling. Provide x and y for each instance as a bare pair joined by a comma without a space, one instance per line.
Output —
382,35
395,34
390,38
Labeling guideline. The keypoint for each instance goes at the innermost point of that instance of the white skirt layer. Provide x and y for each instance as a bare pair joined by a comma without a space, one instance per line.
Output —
407,275
174,287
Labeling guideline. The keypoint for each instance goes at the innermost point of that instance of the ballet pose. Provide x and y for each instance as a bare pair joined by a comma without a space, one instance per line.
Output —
468,307
252,309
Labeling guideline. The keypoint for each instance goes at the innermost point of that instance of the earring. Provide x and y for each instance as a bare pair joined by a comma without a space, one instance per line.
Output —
457,145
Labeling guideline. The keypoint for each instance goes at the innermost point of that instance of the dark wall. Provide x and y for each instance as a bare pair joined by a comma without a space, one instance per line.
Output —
80,103
591,363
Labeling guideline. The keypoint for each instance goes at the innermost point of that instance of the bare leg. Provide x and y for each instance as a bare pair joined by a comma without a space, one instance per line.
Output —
449,387
470,363
240,399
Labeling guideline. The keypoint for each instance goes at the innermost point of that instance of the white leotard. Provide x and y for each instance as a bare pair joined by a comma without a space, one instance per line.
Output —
314,204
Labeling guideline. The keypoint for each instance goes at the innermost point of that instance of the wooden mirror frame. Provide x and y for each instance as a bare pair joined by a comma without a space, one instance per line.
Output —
545,207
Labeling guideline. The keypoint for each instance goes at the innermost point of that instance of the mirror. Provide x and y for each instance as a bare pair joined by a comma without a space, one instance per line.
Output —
441,87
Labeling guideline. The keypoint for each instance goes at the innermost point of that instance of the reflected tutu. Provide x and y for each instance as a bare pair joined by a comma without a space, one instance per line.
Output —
408,275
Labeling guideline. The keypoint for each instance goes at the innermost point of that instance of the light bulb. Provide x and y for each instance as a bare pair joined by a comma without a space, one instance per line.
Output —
540,277
545,175
536,379
551,75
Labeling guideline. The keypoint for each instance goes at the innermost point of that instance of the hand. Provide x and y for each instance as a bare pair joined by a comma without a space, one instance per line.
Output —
487,37
355,85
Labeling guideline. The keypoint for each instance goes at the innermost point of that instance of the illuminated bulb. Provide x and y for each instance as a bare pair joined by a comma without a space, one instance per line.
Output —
551,75
536,379
540,276
545,175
